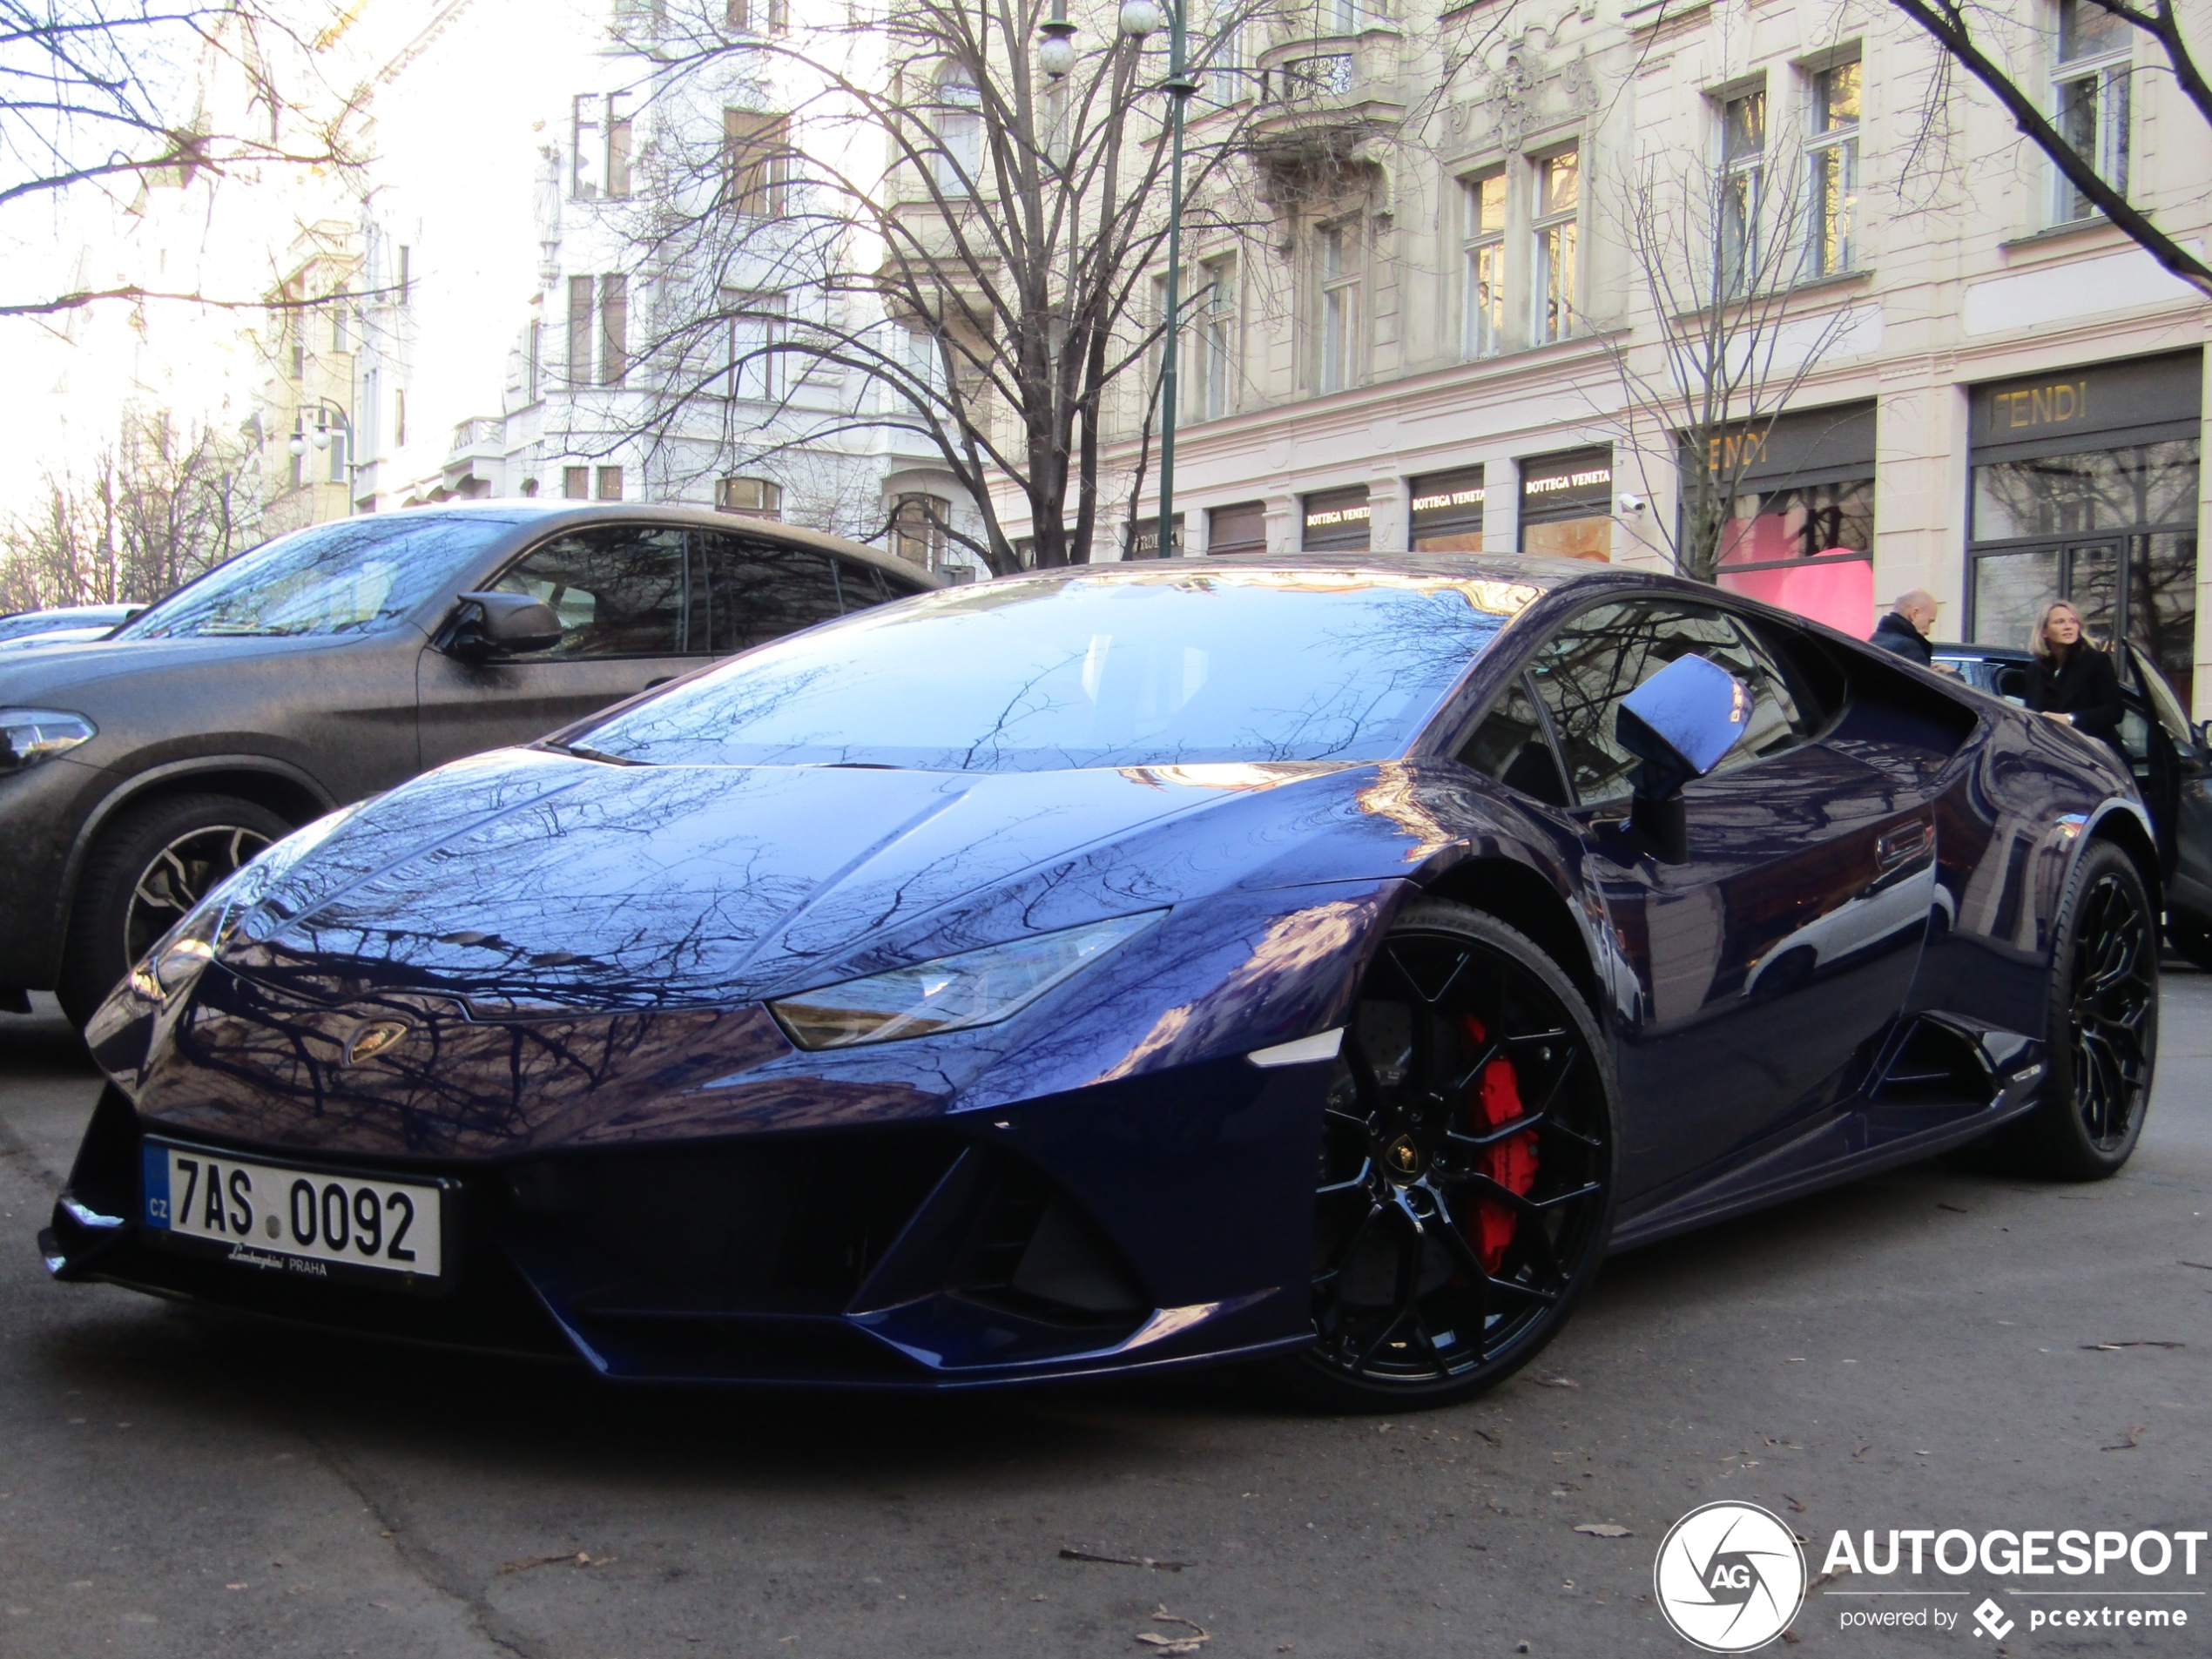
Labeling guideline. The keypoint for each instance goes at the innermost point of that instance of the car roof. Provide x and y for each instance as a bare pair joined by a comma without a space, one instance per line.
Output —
541,514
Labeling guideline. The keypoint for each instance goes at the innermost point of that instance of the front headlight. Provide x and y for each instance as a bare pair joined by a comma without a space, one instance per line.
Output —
168,970
975,987
29,736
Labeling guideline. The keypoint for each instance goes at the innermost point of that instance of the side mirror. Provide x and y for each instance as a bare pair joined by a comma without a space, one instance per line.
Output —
1679,723
503,625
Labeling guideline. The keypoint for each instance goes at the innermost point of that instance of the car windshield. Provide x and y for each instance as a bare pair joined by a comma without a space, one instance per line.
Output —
353,576
1122,668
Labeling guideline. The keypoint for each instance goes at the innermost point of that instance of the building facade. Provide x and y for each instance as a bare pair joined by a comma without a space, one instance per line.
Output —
1460,329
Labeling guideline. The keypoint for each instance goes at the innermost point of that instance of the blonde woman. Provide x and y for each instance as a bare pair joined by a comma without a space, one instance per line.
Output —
2071,679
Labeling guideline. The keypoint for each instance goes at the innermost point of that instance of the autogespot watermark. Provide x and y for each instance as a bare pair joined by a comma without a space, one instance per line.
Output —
1731,1578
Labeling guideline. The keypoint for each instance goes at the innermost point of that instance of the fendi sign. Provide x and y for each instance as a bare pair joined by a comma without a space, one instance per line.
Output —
2068,407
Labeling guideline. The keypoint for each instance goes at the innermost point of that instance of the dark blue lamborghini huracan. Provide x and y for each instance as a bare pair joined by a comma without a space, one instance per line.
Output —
1317,962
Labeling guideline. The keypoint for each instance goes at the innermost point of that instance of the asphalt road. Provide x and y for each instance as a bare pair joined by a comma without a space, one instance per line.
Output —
1921,1350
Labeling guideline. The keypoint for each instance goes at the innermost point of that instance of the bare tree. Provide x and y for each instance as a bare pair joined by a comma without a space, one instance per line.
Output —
1723,260
116,96
161,505
1985,42
905,209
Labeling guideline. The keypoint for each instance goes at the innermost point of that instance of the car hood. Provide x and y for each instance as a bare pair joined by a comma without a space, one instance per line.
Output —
525,879
65,674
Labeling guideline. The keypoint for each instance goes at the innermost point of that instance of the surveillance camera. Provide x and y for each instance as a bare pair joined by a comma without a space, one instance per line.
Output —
1631,503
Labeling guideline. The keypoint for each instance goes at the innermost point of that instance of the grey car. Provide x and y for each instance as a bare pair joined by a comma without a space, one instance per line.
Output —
137,770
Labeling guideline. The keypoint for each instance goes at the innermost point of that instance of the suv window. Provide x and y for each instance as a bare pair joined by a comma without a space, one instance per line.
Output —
760,589
618,589
1510,745
1594,662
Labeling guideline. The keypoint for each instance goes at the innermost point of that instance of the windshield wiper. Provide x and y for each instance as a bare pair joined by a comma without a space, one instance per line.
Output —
585,751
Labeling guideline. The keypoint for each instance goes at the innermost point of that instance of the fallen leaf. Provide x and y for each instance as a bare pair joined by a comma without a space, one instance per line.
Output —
234,1587
1189,1643
1604,1529
1791,1637
1793,1503
2130,1441
1123,1561
1865,1447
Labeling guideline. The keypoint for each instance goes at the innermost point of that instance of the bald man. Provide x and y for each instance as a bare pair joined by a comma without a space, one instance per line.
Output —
1904,631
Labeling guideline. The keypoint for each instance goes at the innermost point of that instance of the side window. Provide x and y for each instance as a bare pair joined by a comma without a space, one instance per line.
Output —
618,589
761,590
861,585
1603,655
1510,745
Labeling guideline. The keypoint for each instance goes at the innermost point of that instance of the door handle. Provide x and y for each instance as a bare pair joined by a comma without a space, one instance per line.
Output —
1902,845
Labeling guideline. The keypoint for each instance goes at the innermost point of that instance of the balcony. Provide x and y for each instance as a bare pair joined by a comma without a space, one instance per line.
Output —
1321,95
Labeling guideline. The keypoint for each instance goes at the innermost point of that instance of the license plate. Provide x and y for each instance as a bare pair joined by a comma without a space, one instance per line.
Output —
302,1223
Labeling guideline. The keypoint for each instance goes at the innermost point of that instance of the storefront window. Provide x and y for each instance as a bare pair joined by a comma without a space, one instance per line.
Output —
1447,511
1336,521
1808,550
2085,488
1567,505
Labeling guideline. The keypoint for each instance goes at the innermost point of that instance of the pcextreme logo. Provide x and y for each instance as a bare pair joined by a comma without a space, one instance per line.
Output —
1730,1577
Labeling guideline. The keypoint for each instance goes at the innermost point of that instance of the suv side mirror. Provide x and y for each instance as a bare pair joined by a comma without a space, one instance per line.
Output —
1679,723
503,625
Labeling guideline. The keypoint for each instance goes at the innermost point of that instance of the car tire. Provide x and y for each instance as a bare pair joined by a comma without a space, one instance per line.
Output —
147,869
2191,934
2102,1025
1456,1223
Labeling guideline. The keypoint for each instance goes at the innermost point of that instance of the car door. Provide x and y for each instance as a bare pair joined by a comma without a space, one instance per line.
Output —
1766,963
622,594
2172,771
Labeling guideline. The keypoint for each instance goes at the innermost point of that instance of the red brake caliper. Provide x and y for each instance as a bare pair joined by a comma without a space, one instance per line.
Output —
1511,1163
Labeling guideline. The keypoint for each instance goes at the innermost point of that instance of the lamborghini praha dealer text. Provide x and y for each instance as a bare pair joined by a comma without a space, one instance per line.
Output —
1315,963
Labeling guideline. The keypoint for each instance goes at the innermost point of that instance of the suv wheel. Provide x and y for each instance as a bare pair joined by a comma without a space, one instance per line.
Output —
149,868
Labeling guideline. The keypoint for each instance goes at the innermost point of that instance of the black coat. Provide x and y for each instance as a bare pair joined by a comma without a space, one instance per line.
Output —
2084,684
1893,633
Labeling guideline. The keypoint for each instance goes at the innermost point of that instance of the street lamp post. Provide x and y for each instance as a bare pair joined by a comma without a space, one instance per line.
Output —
329,416
1055,53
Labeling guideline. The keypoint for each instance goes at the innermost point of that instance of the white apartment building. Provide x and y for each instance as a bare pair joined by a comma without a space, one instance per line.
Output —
1995,395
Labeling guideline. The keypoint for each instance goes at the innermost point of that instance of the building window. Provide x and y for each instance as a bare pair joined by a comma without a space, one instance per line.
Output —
1156,353
579,331
750,497
337,435
756,324
919,530
297,325
960,132
298,462
533,360
584,147
575,483
618,141
757,149
1567,505
2090,100
407,276
1743,182
337,328
1241,528
1447,511
614,329
757,17
1559,202
1834,164
398,418
1482,298
610,481
1217,342
1339,283
1226,73
1335,520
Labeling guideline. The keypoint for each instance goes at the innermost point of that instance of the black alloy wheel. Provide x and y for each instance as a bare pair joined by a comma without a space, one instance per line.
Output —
2103,1032
1467,1175
145,875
